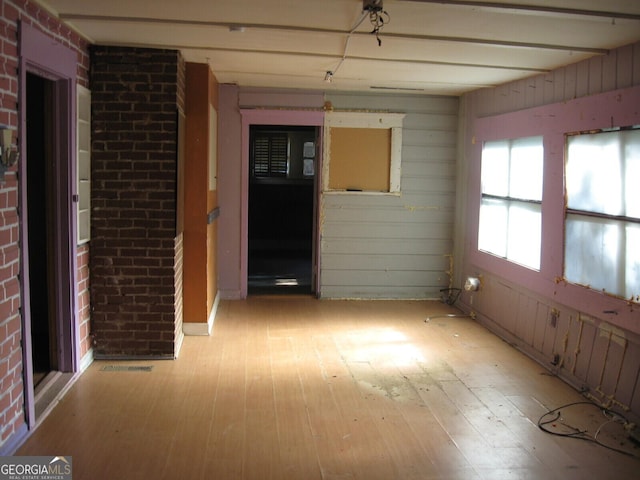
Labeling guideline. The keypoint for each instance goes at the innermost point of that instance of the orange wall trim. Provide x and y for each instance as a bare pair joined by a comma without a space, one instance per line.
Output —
200,236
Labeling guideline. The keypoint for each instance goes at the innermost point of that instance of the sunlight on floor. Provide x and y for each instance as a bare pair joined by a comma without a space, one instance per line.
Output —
384,346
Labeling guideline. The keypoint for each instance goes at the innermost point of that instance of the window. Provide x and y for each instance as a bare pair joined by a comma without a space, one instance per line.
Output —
362,152
602,230
83,163
270,154
510,210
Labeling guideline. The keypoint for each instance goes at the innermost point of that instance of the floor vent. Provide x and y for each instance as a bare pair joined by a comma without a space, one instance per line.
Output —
126,368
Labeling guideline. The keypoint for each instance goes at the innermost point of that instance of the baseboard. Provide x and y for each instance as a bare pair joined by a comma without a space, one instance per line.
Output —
179,342
202,329
132,358
14,441
86,360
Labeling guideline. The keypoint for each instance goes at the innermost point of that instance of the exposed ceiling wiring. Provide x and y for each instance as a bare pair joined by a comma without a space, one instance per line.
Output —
378,18
330,73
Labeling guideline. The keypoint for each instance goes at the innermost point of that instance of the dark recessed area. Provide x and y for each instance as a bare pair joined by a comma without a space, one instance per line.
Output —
281,209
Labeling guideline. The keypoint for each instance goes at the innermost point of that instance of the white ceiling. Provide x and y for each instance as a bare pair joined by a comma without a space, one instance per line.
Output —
444,47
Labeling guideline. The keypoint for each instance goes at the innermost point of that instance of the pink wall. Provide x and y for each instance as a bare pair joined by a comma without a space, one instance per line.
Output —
229,188
616,108
539,313
237,110
12,414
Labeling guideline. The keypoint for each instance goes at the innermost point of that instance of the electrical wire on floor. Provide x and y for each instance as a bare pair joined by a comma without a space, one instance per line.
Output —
572,432
447,315
450,297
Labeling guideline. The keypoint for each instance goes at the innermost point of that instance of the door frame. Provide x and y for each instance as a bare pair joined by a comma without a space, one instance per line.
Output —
311,118
43,56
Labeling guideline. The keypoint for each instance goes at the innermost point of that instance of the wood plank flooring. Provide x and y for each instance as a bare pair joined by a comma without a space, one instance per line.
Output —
299,388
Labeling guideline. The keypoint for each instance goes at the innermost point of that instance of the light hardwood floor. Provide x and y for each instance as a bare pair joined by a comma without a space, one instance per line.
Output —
298,388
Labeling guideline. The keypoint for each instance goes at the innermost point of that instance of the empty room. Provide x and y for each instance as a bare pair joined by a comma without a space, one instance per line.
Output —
391,239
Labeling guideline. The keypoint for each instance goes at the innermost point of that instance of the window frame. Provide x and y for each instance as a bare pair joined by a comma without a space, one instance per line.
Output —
606,218
389,121
553,121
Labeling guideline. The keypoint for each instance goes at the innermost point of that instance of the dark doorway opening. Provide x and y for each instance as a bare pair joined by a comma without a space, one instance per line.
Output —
281,209
40,218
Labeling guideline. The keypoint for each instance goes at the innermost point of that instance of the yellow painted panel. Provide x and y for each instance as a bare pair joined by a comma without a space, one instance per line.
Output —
360,159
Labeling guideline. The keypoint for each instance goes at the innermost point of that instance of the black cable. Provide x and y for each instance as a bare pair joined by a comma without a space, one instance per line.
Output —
583,434
452,295
378,21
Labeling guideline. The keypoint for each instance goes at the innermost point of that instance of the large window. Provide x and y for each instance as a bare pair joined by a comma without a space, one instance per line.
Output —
602,232
510,210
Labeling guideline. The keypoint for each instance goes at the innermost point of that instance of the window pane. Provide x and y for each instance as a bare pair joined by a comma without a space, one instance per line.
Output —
594,173
527,159
524,234
631,139
593,251
495,168
493,227
510,228
632,266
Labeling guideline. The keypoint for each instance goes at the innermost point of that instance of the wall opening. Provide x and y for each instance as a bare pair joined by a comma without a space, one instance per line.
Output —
40,201
281,208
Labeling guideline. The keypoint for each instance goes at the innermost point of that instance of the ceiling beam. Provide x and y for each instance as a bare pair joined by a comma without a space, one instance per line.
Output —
534,8
336,57
292,28
499,43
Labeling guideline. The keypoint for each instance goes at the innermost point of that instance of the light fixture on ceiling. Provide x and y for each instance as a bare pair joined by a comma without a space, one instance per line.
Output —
377,16
328,76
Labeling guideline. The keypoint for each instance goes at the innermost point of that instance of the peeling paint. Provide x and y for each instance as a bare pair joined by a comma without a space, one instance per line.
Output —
450,271
586,319
615,334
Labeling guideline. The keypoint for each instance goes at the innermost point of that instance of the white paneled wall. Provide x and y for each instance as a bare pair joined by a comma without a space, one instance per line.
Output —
396,246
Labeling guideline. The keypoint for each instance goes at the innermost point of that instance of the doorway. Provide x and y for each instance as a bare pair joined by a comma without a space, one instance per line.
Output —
40,221
281,216
48,240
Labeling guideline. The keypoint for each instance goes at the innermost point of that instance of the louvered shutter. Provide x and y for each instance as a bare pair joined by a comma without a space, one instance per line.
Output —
270,155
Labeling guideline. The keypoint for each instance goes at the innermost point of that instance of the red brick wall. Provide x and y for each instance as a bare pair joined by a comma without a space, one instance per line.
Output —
84,305
12,419
135,96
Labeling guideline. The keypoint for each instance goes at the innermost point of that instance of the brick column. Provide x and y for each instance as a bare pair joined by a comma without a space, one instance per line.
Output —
136,94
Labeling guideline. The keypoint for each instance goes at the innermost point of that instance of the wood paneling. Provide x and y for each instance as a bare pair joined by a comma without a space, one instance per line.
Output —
591,356
398,246
200,238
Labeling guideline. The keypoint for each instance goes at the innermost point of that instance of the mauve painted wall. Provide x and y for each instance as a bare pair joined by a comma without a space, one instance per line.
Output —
550,320
229,188
264,106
